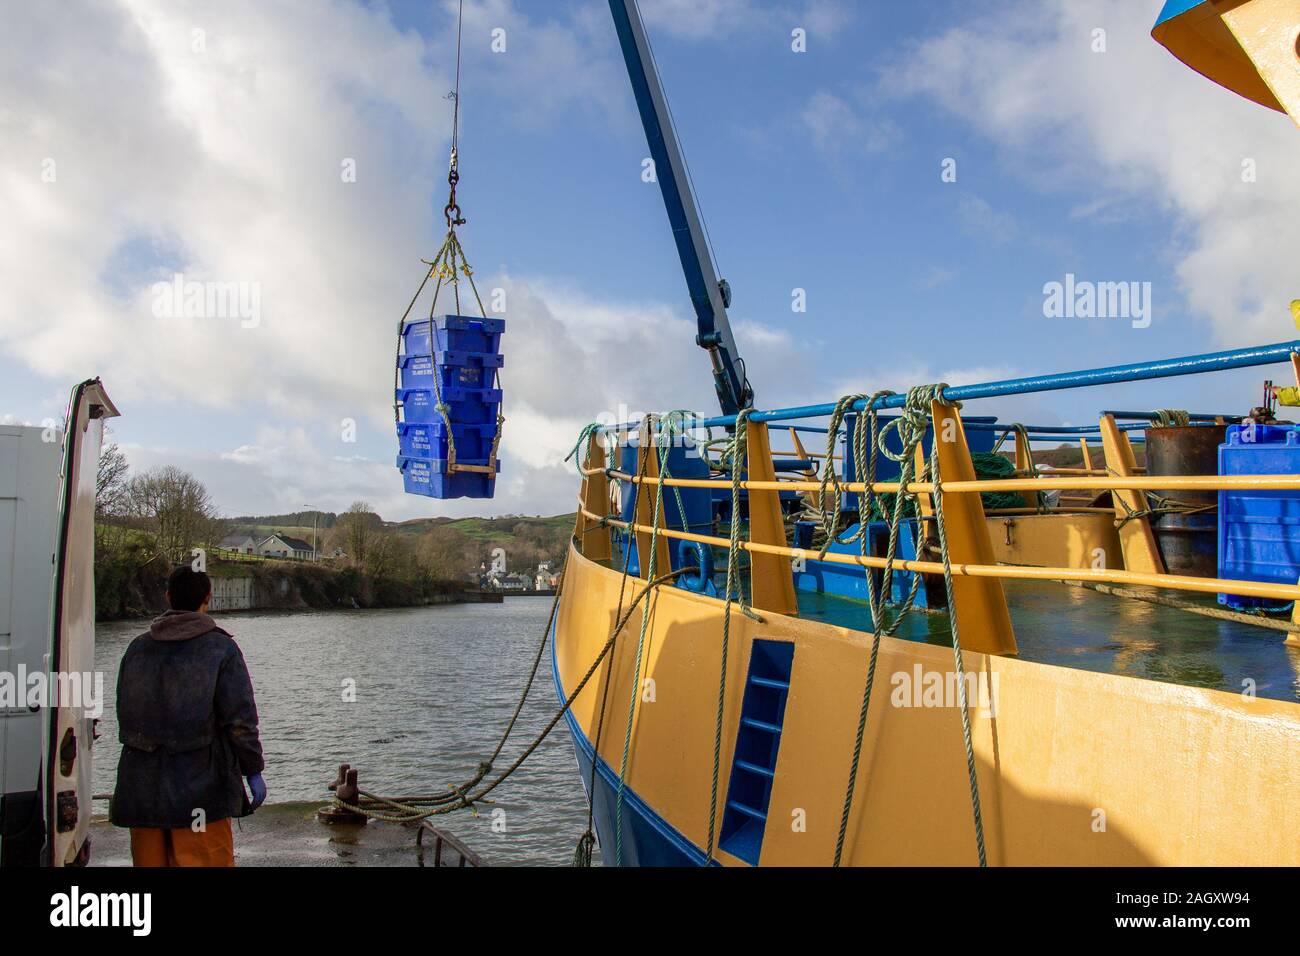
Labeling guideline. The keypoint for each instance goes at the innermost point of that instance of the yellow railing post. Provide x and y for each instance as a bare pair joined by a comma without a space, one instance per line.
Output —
648,465
1135,537
924,503
1087,455
593,540
980,603
812,497
771,577
1025,466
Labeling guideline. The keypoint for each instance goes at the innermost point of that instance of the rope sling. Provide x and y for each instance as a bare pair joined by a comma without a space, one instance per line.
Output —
447,266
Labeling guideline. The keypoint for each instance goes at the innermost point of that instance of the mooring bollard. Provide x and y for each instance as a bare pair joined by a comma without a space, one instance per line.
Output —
346,788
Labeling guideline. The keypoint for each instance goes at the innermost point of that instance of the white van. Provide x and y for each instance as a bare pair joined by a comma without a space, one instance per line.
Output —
47,627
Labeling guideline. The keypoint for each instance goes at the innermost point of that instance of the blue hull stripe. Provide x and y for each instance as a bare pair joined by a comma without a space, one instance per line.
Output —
648,839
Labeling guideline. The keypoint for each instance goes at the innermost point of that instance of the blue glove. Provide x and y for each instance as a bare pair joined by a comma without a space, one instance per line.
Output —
258,787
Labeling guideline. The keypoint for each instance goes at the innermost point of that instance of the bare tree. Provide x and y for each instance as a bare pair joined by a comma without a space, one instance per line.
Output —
110,480
357,531
175,508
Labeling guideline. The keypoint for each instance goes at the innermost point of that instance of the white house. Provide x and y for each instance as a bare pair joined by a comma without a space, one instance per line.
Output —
283,546
241,543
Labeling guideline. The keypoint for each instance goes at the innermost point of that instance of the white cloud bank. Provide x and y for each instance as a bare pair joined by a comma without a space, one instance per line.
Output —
147,138
1141,130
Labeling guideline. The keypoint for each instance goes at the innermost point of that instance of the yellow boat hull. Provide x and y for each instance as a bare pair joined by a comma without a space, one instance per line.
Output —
1073,767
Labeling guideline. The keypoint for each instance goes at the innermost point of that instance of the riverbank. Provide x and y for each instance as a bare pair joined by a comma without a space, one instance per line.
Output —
269,585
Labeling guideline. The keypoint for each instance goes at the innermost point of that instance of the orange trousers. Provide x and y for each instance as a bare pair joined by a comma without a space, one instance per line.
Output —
183,847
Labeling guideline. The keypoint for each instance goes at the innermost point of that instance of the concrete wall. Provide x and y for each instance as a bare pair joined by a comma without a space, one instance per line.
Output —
232,594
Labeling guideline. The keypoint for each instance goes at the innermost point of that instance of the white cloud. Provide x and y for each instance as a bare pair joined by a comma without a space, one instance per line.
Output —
697,19
218,154
1138,127
839,129
718,19
978,218
569,63
228,154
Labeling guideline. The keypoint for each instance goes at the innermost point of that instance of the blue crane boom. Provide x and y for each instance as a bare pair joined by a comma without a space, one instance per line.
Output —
709,296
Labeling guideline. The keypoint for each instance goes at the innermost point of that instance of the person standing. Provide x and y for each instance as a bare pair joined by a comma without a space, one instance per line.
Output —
187,722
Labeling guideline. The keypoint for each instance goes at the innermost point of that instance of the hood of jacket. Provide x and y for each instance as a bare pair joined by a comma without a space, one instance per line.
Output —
182,626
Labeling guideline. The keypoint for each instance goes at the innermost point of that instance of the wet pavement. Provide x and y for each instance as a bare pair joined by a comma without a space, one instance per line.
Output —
289,834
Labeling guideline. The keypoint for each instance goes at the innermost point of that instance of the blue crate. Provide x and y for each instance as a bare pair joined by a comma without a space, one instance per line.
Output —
428,477
455,369
429,440
452,333
465,406
1259,531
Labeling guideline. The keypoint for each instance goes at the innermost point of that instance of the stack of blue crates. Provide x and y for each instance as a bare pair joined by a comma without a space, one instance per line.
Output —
458,356
1259,531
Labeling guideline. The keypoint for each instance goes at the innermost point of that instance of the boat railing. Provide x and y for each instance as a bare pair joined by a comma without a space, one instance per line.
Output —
970,550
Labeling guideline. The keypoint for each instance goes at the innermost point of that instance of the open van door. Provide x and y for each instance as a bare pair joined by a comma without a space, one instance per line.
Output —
69,726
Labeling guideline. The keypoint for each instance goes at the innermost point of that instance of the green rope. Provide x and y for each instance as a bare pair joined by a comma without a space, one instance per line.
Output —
911,426
582,855
958,662
410,809
1171,418
668,427
649,566
737,453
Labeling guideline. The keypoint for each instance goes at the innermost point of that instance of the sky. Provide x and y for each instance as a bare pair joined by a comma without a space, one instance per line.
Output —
920,172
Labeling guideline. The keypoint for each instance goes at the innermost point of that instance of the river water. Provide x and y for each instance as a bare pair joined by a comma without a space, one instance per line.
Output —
435,687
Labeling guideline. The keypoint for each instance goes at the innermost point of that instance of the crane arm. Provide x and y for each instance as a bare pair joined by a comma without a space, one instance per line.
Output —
709,296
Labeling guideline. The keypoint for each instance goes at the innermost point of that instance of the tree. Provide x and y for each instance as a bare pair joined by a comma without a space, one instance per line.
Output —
357,530
110,480
174,507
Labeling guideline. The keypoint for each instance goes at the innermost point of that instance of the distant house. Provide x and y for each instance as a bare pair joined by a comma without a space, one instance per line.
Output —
546,579
509,582
241,543
283,546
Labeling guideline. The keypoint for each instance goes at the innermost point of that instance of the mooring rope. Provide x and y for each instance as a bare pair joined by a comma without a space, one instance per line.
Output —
415,809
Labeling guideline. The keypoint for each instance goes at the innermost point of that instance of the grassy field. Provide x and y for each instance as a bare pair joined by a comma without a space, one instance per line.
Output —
488,529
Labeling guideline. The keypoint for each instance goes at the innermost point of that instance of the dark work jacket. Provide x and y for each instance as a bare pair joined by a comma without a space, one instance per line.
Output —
188,725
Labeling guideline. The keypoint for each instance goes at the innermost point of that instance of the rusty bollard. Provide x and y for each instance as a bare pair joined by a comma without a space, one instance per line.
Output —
346,788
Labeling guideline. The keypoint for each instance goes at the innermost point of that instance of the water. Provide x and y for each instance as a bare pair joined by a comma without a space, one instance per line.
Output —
435,688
